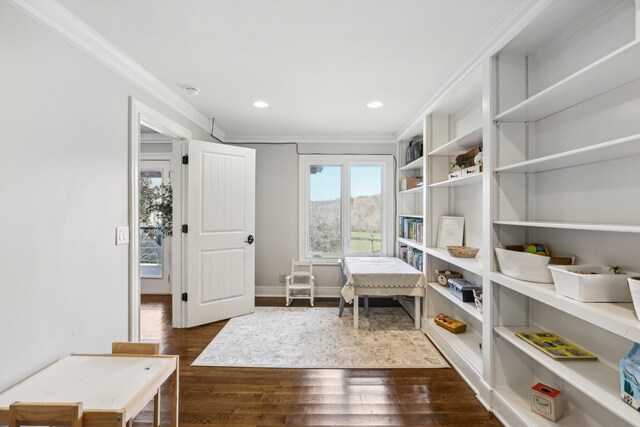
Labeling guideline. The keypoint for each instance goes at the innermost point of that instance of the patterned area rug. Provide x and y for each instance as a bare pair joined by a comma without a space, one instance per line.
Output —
276,337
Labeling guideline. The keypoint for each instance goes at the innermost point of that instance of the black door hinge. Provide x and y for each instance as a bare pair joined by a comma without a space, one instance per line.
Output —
185,228
185,160
185,297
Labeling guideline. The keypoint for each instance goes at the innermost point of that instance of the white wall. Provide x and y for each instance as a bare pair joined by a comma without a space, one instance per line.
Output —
64,189
277,212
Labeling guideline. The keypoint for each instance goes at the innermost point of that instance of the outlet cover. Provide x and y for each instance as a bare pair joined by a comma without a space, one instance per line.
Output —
282,277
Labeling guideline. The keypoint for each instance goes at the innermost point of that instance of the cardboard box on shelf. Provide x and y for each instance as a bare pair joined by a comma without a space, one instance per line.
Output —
409,183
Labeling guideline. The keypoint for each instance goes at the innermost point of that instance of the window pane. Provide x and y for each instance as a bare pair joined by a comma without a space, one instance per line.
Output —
325,220
366,209
150,233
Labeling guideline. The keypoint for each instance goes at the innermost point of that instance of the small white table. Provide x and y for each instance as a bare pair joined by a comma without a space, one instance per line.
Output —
386,276
112,388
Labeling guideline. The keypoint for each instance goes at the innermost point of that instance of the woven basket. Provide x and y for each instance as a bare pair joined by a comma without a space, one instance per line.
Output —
463,251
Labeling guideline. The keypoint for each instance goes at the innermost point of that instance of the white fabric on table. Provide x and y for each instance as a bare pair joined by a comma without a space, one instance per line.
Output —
380,272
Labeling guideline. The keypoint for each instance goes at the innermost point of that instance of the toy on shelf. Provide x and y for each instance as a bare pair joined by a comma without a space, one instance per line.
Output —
444,276
546,401
450,324
630,377
556,346
538,249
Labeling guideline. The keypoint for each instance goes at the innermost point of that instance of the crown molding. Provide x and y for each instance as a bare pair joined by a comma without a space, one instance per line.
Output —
56,17
513,22
336,139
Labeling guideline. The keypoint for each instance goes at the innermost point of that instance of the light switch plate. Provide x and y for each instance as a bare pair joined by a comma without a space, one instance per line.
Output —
122,235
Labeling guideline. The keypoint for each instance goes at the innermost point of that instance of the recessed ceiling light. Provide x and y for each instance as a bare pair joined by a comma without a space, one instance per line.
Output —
193,91
260,104
375,104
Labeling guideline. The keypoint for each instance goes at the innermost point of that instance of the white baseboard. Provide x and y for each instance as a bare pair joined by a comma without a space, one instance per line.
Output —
278,291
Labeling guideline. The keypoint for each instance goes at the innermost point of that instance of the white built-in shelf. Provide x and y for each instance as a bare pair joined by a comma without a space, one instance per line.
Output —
412,243
617,228
458,182
518,399
614,70
618,318
474,265
460,145
415,164
411,216
593,378
610,150
469,307
465,344
413,190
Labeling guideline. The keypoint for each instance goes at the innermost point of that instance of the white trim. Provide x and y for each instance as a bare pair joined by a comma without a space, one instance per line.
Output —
140,113
341,139
386,161
69,26
513,23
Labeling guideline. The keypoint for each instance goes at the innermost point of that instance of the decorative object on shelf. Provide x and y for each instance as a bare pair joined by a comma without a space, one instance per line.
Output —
465,164
529,267
477,298
444,276
591,283
463,251
634,288
630,377
463,289
410,183
414,150
615,269
556,346
450,324
450,231
546,401
478,159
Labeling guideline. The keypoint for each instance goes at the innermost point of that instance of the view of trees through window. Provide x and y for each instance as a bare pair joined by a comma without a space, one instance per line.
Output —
325,209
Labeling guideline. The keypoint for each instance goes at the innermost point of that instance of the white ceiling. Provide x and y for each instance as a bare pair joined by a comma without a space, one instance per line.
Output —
316,62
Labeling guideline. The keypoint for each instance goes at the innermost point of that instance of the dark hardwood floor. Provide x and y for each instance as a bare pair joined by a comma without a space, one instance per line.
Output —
303,397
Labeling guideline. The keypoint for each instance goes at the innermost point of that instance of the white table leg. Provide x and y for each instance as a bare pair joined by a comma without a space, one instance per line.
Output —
416,312
355,312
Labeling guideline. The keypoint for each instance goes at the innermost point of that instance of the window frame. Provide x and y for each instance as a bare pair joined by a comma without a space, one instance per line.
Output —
345,162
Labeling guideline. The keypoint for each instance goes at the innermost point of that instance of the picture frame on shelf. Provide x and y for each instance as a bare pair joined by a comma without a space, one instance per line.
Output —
450,231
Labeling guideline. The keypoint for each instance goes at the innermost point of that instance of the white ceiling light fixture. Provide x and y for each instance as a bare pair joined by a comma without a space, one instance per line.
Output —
375,104
193,91
260,104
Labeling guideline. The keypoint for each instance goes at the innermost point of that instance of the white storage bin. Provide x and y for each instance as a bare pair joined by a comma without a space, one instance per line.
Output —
603,286
526,266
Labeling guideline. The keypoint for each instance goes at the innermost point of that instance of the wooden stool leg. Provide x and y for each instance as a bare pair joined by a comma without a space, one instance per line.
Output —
156,410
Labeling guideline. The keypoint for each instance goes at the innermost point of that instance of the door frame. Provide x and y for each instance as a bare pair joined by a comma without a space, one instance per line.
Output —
140,113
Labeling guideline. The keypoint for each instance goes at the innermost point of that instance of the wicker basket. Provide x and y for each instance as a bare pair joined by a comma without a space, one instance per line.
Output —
463,251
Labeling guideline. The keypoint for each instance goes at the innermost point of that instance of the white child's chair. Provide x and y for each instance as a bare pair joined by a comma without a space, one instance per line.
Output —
300,280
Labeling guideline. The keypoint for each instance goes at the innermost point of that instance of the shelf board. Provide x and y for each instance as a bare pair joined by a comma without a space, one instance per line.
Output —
593,378
415,164
413,190
517,398
460,145
618,318
610,150
616,69
618,228
411,216
457,182
474,265
411,243
465,344
468,307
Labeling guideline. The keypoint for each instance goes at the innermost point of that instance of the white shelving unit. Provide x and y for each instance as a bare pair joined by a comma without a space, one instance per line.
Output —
555,110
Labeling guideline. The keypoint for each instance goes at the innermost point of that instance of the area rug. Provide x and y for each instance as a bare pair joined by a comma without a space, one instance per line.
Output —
277,337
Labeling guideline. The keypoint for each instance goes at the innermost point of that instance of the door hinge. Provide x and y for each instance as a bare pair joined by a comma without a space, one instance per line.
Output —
185,160
185,297
185,228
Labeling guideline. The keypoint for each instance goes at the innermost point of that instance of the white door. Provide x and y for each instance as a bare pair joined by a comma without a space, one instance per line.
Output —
221,222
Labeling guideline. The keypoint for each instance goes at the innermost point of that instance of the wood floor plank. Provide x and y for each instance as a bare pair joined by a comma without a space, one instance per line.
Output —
258,397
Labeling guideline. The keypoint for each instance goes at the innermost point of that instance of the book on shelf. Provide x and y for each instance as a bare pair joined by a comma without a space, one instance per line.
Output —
556,346
412,229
